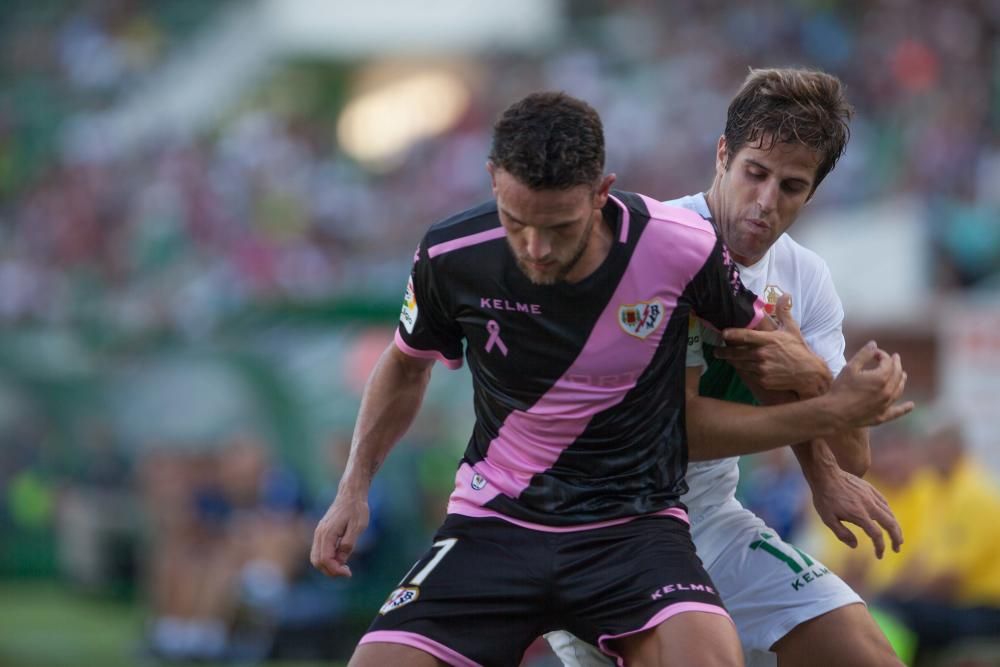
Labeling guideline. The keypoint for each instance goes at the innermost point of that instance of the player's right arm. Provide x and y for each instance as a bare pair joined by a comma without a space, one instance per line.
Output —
427,332
778,362
860,396
390,401
864,394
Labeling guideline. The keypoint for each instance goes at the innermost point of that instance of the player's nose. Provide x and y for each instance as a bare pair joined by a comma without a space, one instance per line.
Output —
767,196
537,245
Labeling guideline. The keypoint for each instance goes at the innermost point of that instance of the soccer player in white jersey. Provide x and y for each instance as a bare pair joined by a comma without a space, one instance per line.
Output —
785,130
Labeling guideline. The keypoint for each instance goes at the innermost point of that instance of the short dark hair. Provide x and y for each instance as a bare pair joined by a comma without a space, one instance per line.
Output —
791,105
549,141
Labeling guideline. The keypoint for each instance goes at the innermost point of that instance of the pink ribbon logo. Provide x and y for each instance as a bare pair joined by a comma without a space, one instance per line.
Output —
494,330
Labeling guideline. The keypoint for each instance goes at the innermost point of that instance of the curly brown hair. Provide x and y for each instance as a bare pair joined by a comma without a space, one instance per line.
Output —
550,141
791,105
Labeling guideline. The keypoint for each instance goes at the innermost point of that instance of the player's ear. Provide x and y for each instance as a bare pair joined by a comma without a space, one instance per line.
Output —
721,155
603,190
492,170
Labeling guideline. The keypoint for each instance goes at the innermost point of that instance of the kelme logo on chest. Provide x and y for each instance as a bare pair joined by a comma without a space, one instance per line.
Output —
641,319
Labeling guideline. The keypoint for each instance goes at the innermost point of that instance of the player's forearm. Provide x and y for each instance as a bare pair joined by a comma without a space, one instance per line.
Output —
850,447
851,450
717,429
389,404
815,459
814,378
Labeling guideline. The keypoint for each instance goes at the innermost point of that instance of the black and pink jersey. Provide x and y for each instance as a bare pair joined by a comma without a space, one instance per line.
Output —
579,388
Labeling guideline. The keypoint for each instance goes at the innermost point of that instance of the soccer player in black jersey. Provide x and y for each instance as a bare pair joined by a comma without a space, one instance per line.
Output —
570,303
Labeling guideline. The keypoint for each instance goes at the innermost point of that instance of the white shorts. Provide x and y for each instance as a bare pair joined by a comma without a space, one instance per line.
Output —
768,585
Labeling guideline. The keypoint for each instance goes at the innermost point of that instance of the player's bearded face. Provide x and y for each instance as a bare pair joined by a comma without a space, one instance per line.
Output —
562,251
759,194
549,231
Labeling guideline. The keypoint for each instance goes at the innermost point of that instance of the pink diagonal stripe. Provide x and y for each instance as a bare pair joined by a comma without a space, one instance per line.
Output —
529,442
466,241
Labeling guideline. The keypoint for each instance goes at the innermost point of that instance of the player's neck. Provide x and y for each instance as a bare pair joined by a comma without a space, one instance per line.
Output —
712,200
598,247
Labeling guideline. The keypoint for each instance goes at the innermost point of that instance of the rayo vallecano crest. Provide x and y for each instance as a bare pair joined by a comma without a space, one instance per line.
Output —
401,596
641,319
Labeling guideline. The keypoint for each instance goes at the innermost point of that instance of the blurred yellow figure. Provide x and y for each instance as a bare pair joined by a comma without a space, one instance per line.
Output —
957,559
945,584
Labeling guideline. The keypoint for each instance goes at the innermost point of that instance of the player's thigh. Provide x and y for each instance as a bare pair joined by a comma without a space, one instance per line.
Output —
769,586
622,580
692,638
844,636
379,654
477,596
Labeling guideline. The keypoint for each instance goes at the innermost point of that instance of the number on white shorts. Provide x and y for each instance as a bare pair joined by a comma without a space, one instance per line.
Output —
782,554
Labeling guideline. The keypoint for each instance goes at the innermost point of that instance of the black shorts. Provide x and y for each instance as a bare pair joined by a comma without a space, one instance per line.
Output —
487,588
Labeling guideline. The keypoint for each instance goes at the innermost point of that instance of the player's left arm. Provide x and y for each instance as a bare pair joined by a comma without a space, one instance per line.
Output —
720,299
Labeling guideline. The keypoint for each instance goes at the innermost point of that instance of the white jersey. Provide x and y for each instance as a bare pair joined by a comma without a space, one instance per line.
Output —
790,268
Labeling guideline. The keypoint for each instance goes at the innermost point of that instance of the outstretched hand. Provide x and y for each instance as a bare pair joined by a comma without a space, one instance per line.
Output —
841,496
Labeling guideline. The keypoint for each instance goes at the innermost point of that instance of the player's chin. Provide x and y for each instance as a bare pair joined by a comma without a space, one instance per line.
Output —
540,277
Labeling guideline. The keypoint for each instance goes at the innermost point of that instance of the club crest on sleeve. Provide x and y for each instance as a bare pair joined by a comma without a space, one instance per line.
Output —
478,482
771,295
408,316
403,595
641,319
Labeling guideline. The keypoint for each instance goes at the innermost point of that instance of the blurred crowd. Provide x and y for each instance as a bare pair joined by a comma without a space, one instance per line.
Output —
265,207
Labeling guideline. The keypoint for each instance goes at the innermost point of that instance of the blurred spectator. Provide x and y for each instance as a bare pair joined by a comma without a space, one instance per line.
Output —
228,531
266,207
949,590
945,583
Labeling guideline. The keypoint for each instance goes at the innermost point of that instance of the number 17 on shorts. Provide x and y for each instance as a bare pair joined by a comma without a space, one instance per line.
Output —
408,589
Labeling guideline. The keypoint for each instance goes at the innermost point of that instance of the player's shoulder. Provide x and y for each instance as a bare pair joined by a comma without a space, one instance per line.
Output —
466,229
804,273
670,217
470,221
808,263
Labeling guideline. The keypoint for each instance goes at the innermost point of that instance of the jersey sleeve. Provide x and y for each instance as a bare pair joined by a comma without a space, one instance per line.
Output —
426,328
718,295
823,327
